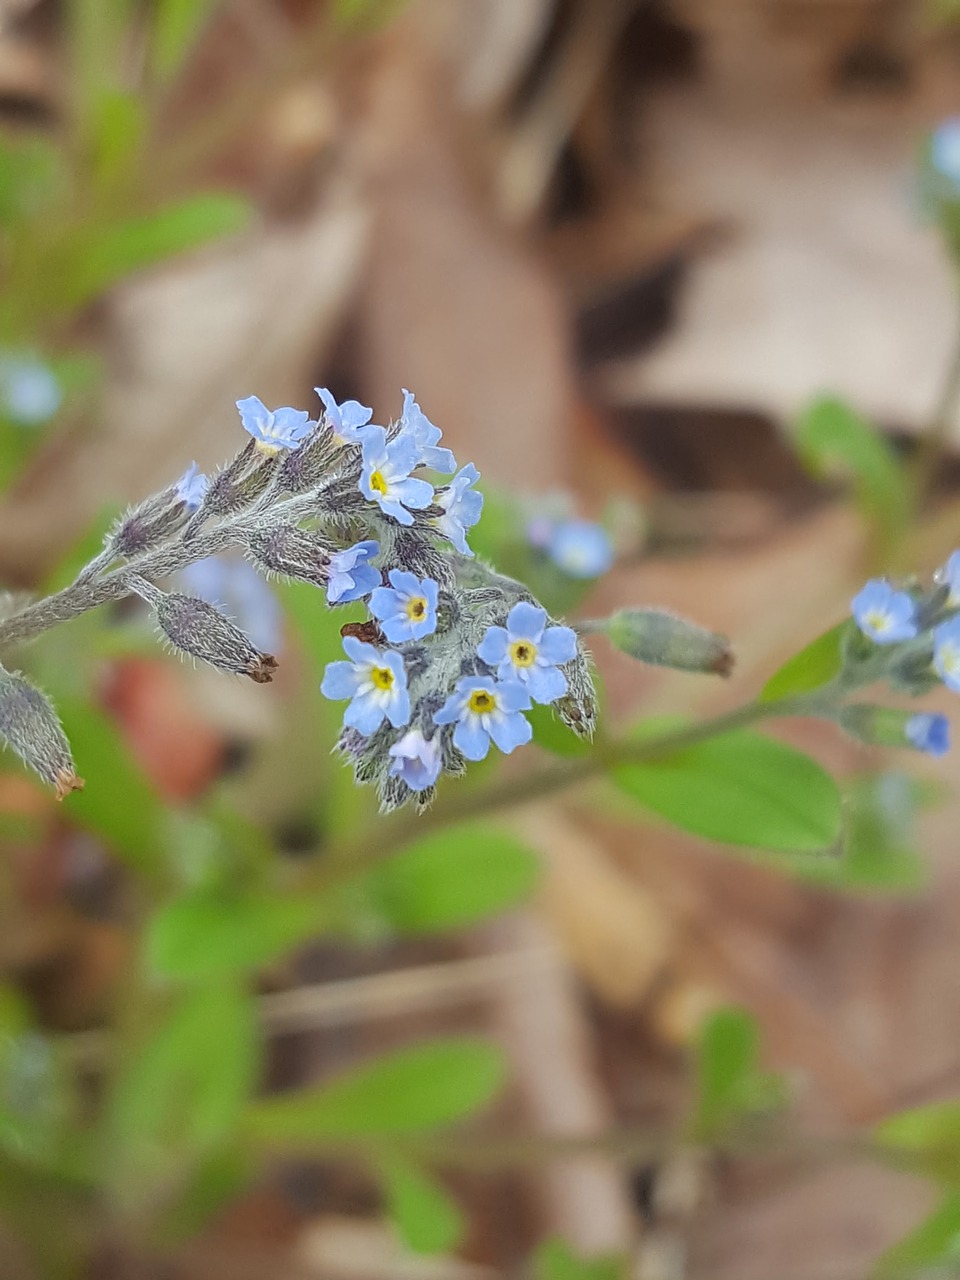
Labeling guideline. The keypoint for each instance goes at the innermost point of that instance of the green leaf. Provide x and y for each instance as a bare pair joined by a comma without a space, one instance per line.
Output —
926,1139
176,26
832,439
452,879
183,1092
208,933
739,788
552,734
811,668
428,1220
421,1087
120,126
931,1250
729,1086
555,1260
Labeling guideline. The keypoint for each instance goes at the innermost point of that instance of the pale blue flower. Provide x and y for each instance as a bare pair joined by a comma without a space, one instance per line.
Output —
949,576
486,710
581,549
415,425
461,505
945,150
351,577
192,487
385,478
526,649
347,420
407,609
416,760
29,391
946,652
273,429
236,587
885,615
375,682
929,733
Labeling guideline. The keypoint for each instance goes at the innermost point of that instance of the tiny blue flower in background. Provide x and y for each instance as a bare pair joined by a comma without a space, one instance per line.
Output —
929,733
945,150
461,505
416,426
949,576
416,760
526,649
351,577
385,478
581,549
346,420
192,487
540,531
29,391
946,652
236,587
885,615
375,682
486,710
273,429
407,609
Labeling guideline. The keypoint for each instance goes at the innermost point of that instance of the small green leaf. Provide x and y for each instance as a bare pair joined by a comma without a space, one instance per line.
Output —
832,439
176,26
930,1250
729,1086
421,1087
927,1139
552,734
428,1220
739,788
452,879
208,933
555,1260
811,668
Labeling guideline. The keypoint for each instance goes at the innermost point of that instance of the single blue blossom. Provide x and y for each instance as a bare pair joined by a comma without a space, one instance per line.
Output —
273,429
407,609
526,649
486,710
375,682
236,587
385,478
416,760
949,576
581,549
415,425
946,652
461,505
929,733
885,615
29,390
945,151
351,577
348,420
192,487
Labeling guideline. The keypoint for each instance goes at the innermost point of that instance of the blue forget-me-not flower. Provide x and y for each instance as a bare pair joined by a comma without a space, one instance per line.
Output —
385,477
416,760
884,614
461,505
192,487
416,426
946,652
407,609
375,682
29,391
348,420
351,575
581,549
273,429
486,710
929,732
526,649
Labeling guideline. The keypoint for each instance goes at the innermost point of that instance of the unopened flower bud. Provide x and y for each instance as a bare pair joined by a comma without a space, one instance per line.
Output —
293,552
888,727
30,727
197,628
664,640
239,484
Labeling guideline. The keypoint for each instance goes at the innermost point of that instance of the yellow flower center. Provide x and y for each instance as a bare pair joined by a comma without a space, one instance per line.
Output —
416,608
481,702
949,656
382,677
523,653
877,621
377,483
262,446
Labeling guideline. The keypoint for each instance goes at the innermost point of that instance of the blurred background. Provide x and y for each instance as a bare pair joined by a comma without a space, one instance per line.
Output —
617,249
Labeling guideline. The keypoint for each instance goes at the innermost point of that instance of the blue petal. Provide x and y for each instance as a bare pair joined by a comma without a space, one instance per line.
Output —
398,710
406,583
470,738
254,415
441,460
558,644
358,651
492,649
526,622
390,507
513,696
384,603
398,629
450,711
546,684
374,447
413,493
510,731
365,714
339,681
402,455
365,579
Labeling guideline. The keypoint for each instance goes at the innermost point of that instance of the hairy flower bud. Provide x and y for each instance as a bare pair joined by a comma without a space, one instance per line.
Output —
292,552
30,727
664,640
239,484
197,628
888,727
